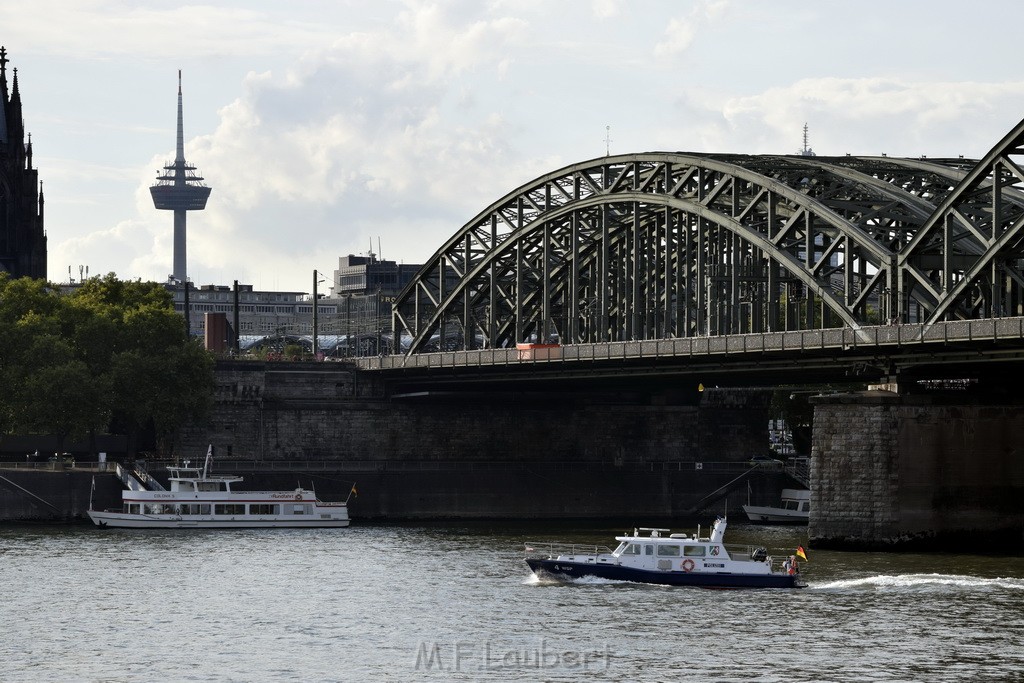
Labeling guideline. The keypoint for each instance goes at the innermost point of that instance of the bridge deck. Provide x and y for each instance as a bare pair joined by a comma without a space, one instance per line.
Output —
934,337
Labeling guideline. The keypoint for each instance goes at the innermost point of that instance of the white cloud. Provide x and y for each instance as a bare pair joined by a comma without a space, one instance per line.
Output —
681,31
119,28
874,115
354,141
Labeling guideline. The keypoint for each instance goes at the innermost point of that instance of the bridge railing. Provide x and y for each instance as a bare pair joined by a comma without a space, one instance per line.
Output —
399,464
989,329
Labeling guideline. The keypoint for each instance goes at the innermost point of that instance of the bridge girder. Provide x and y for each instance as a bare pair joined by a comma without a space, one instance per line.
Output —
661,245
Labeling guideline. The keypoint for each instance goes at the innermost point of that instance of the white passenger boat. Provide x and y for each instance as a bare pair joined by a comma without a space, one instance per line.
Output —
669,559
795,509
200,500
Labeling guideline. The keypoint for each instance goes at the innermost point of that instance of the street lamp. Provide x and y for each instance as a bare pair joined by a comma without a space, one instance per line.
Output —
316,280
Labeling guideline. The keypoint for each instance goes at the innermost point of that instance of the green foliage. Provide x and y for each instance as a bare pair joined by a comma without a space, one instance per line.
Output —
294,352
109,353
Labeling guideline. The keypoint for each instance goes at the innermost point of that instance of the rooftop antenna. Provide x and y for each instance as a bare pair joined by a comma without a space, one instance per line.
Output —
607,141
806,151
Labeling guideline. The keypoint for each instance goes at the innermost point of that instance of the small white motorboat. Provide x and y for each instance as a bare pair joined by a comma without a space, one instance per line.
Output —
795,509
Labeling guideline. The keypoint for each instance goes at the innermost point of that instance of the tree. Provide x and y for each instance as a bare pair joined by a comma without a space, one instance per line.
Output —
111,354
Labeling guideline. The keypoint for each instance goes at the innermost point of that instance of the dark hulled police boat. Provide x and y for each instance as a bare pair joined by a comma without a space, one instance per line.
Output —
668,559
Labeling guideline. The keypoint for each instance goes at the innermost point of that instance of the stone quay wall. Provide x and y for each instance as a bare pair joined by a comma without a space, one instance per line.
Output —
480,455
918,473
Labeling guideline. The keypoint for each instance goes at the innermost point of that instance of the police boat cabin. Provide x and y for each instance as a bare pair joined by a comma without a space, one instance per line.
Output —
669,559
197,499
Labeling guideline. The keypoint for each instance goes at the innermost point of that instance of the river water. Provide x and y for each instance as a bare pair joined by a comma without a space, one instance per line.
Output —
457,602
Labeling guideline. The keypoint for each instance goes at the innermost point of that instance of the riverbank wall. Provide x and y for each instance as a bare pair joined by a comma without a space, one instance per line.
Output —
554,454
487,454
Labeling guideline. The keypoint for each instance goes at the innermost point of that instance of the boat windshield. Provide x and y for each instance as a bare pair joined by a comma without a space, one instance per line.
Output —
627,549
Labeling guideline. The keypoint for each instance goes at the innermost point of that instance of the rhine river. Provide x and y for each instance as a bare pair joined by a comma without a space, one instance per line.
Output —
457,602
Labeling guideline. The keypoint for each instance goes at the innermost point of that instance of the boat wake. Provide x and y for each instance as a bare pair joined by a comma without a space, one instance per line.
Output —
534,580
923,582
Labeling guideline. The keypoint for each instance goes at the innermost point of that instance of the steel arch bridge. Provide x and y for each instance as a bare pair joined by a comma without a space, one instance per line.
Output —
668,245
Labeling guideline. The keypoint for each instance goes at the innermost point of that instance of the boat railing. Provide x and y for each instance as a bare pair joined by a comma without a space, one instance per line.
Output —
549,549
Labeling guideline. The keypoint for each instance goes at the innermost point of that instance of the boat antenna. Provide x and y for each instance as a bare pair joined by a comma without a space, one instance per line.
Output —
209,457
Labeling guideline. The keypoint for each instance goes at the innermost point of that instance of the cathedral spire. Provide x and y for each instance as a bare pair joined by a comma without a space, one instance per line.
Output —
22,235
15,123
3,95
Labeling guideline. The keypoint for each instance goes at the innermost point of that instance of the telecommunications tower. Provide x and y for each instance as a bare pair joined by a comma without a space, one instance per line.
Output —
179,189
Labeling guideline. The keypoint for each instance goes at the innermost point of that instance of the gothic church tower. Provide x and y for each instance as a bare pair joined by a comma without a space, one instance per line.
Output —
22,238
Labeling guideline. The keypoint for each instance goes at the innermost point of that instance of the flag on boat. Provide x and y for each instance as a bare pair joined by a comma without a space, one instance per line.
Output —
800,553
354,492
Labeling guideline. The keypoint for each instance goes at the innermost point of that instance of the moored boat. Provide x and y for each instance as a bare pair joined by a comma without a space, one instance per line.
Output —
669,559
200,500
795,509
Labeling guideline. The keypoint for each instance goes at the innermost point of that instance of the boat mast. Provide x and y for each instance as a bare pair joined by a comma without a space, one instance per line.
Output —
206,465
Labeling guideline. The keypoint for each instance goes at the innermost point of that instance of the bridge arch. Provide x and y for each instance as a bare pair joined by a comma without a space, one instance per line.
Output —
660,245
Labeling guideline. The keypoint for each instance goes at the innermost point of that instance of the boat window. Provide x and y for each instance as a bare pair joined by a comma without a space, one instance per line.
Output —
262,509
648,550
300,509
618,551
631,549
668,550
154,509
807,506
694,551
791,505
229,509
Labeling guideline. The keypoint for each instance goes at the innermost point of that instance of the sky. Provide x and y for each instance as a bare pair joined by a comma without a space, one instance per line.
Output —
334,127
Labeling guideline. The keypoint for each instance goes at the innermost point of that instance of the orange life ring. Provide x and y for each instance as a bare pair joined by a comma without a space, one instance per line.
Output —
298,496
687,565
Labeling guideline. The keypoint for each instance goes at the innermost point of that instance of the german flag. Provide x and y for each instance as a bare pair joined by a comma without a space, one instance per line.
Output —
800,553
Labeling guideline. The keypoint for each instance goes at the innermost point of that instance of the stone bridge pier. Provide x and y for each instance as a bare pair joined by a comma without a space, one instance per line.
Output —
917,472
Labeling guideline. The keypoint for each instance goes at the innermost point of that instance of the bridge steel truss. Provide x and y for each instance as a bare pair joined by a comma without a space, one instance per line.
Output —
674,245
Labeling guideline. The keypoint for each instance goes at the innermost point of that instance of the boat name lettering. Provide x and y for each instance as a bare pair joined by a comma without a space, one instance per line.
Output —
714,564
